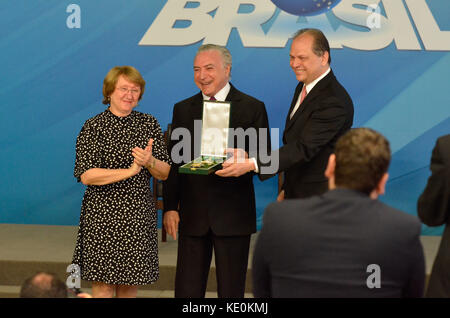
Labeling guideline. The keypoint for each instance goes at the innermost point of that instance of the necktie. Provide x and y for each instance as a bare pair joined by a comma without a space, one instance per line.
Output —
212,98
302,97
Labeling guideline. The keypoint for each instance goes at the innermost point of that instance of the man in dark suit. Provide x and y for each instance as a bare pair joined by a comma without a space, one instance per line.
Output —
321,111
215,212
434,209
344,243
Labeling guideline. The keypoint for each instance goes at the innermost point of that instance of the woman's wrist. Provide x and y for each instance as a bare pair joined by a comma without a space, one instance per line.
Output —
134,169
152,163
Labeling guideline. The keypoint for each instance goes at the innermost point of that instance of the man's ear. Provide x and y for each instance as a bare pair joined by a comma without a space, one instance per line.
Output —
228,70
329,172
381,186
325,58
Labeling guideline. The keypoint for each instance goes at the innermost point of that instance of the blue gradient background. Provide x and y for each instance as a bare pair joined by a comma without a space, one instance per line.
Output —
51,82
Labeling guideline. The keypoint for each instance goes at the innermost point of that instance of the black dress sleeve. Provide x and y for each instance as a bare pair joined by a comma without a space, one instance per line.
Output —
159,149
88,153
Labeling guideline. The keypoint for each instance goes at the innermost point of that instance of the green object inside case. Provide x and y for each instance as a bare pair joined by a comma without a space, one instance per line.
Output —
203,165
214,139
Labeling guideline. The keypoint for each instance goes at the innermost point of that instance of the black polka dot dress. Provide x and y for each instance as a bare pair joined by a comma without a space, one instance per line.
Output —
117,236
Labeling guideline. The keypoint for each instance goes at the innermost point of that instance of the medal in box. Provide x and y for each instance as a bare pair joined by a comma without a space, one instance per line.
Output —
214,139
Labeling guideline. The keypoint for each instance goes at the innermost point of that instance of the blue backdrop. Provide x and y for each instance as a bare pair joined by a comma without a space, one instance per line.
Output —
392,56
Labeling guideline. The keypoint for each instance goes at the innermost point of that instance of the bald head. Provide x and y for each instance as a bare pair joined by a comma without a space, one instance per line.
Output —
43,285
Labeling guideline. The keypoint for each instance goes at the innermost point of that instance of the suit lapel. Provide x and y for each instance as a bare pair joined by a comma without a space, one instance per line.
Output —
308,101
294,100
234,96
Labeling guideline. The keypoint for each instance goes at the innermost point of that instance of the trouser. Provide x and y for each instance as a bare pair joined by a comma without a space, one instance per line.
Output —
194,259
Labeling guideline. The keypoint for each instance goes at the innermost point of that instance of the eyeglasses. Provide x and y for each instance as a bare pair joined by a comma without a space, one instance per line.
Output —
133,91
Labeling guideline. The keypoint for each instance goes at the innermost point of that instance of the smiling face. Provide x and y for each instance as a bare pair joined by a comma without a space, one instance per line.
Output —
124,97
210,73
306,65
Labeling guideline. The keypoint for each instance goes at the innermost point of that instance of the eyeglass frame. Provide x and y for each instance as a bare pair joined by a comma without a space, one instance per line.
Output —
133,92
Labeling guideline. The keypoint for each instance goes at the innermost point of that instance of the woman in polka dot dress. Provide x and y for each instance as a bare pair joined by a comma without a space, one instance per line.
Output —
117,152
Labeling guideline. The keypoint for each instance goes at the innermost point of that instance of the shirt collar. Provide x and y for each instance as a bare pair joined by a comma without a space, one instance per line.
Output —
220,95
310,86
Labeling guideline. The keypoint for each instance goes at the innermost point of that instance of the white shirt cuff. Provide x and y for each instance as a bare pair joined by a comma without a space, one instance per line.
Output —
256,165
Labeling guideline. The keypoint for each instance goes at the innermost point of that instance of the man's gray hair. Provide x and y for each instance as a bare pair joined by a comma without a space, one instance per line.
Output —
226,55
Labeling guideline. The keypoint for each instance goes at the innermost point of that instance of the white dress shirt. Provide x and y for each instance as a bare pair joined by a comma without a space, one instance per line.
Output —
220,95
309,87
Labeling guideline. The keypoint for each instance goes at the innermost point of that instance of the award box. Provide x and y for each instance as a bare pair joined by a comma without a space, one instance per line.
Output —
214,139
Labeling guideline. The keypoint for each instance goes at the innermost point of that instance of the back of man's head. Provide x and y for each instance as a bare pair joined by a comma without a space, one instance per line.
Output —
362,159
43,285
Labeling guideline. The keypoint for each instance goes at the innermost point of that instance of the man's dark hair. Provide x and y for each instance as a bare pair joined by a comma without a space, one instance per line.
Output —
362,158
321,44
43,285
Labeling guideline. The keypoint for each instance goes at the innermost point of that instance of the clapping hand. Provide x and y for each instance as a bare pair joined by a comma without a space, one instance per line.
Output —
143,157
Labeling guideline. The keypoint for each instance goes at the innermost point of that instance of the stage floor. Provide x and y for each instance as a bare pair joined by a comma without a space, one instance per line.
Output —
48,244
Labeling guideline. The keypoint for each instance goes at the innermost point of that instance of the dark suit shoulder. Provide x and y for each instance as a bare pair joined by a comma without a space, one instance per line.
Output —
314,206
249,98
285,211
433,205
195,98
272,211
338,92
396,220
445,140
443,146
330,87
183,109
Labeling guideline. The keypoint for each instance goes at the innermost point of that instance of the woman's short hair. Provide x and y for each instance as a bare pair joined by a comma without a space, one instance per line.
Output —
110,81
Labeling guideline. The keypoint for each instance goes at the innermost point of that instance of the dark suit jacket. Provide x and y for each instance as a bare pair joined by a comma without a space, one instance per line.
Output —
434,209
322,246
309,137
226,205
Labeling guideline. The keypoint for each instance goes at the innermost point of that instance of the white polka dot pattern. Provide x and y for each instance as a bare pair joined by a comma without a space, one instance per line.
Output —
117,237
